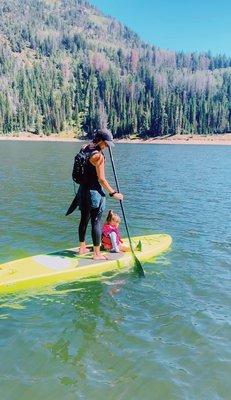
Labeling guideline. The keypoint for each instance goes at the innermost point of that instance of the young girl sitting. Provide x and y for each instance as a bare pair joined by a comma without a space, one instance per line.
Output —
111,238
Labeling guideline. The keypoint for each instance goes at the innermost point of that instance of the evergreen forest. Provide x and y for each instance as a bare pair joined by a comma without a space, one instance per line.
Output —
66,66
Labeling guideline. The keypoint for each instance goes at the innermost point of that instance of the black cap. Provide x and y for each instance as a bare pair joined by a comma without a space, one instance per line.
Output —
105,135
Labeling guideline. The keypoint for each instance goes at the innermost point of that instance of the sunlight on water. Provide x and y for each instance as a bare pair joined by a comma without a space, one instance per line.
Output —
116,336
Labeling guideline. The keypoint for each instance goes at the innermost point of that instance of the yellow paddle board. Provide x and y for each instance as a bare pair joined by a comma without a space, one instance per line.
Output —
67,265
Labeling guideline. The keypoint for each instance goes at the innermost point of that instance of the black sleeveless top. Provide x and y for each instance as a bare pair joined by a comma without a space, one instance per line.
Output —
91,174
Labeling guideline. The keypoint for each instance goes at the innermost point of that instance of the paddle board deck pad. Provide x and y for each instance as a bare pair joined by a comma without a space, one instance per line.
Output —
67,265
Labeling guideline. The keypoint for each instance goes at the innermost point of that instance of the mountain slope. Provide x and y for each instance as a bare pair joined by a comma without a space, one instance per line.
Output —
64,65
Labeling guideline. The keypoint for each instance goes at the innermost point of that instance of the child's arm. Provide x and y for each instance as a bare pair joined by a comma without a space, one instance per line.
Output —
115,247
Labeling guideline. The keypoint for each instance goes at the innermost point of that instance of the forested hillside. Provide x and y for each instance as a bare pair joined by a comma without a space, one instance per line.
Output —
64,65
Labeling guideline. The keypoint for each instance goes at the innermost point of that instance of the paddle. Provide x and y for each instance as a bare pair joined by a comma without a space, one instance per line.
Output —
138,266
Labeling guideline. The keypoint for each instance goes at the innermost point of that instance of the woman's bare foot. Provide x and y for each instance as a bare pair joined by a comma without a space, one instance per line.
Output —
98,257
83,249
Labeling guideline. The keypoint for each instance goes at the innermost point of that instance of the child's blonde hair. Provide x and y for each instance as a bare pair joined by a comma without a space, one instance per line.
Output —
113,217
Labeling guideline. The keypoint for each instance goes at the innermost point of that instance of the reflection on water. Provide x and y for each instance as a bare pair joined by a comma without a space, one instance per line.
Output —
117,336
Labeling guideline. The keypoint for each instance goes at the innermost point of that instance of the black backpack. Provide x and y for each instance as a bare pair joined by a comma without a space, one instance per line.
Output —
80,165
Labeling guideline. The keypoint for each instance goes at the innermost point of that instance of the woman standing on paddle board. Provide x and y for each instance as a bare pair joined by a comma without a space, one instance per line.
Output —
91,197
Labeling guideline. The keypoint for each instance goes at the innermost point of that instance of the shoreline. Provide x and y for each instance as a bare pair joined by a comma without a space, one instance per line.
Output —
224,139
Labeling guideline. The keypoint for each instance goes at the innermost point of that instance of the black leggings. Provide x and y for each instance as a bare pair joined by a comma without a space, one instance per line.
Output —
95,215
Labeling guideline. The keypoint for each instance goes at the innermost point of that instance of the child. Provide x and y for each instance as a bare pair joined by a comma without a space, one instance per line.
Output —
111,239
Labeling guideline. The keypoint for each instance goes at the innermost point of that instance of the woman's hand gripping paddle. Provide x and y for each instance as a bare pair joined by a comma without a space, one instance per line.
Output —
138,267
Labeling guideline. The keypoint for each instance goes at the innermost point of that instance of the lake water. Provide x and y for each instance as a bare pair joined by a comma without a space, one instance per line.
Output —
120,337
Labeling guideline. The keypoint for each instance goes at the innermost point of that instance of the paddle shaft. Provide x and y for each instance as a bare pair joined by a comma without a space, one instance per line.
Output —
124,216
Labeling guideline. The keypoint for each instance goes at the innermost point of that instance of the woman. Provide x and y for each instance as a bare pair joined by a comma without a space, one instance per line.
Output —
91,196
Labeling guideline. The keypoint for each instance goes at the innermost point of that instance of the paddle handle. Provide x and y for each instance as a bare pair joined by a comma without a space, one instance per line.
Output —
121,204
138,265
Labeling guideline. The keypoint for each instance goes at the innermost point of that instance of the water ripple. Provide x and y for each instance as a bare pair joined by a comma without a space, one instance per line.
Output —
118,337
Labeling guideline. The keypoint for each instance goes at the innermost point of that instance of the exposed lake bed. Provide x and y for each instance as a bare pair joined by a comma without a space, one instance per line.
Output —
217,139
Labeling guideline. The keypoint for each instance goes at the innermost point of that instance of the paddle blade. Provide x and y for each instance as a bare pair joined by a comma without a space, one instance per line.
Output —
138,267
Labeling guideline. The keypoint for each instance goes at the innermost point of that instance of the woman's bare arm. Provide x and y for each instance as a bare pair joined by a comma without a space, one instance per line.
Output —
98,161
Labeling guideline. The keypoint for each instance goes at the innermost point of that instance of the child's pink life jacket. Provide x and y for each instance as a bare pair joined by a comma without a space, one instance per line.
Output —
106,241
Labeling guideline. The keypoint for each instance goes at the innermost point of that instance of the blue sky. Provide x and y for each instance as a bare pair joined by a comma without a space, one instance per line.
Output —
188,25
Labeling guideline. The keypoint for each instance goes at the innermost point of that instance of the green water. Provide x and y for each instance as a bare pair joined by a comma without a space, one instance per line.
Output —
119,337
